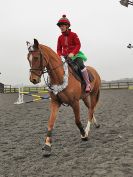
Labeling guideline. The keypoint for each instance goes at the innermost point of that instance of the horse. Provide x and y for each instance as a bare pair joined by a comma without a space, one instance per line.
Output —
64,88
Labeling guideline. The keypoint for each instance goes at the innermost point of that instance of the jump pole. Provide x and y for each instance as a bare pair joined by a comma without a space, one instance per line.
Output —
21,98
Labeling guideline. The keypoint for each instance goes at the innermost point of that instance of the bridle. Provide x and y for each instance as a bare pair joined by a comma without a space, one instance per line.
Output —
41,67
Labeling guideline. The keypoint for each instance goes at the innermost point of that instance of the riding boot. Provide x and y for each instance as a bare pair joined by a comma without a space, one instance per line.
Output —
86,78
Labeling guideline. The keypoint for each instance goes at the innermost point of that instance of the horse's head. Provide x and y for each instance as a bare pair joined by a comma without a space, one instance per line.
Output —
36,62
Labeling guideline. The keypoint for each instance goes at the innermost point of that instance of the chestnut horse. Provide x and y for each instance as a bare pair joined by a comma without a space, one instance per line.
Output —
64,88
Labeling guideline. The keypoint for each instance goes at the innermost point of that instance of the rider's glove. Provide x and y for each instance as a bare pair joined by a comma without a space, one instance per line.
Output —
70,55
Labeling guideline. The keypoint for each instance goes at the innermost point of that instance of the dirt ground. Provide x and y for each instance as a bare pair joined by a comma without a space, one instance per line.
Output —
107,153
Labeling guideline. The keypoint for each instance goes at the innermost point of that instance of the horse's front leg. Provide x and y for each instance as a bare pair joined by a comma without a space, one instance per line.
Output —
48,141
76,110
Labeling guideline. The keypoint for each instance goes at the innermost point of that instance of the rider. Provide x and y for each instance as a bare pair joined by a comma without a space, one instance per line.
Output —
69,45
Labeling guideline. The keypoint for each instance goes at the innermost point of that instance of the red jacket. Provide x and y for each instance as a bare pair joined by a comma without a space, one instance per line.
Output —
68,42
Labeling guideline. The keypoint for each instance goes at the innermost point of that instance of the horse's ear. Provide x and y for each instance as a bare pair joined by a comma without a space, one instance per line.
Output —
36,44
27,43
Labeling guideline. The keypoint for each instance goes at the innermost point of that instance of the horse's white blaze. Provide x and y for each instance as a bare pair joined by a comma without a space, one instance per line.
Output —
87,128
30,58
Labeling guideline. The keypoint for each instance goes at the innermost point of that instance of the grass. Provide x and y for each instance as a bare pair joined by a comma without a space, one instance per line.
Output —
130,87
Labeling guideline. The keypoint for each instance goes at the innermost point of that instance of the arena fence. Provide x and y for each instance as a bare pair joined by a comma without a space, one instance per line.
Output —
10,89
117,85
104,85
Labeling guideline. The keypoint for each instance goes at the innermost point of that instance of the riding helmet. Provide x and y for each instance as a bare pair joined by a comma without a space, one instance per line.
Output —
63,21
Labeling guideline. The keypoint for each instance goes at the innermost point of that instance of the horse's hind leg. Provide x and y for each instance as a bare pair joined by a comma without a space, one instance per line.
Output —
95,122
76,110
91,102
54,110
95,99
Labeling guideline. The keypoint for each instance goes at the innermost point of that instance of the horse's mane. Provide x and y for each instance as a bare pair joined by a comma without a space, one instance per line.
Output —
47,51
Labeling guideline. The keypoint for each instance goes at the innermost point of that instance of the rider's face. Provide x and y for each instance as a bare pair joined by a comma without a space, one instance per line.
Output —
63,28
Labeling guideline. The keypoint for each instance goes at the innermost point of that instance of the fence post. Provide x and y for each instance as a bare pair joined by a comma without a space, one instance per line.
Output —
118,85
127,84
10,89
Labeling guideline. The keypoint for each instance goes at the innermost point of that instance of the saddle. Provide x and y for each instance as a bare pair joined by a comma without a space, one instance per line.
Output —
77,72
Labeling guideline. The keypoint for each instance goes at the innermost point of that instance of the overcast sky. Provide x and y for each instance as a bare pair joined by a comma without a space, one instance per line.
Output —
104,27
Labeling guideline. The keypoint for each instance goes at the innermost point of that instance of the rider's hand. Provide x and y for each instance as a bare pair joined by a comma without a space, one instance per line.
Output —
70,55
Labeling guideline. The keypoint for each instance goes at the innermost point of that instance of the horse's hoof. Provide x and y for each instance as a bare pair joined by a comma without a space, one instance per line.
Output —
84,138
46,150
97,125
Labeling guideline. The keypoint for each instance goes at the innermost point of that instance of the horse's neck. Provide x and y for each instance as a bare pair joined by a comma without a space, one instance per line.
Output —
56,72
55,68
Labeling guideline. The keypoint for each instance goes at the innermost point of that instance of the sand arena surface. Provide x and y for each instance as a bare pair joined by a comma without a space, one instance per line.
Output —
108,153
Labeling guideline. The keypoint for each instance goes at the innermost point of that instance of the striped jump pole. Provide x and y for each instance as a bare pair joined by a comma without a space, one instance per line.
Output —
37,97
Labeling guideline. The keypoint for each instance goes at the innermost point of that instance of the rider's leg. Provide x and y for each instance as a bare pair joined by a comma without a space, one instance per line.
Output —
84,72
86,78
